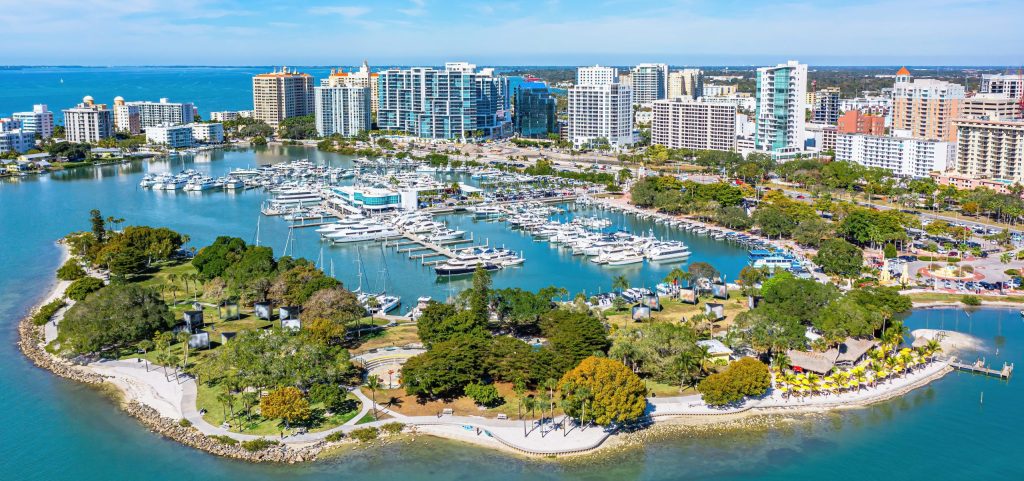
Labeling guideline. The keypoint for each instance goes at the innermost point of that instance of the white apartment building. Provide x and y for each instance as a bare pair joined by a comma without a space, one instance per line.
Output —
164,112
685,123
38,121
742,103
209,133
360,78
8,124
16,140
1008,85
599,109
823,135
127,118
649,82
902,156
88,122
718,90
990,149
281,94
172,136
780,95
343,110
228,115
596,75
685,83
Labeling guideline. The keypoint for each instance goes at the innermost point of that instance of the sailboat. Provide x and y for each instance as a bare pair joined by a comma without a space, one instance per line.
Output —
383,302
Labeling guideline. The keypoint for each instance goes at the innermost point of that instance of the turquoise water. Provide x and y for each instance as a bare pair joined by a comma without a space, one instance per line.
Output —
209,88
56,430
60,430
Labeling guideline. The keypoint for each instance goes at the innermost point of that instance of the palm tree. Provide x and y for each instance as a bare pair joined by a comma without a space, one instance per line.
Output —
931,348
196,284
551,385
173,278
183,338
373,382
781,361
249,400
677,275
163,358
529,403
146,345
812,381
620,283
858,373
227,402
703,357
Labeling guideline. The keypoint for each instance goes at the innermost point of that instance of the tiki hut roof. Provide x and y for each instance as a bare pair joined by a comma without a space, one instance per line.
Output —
819,362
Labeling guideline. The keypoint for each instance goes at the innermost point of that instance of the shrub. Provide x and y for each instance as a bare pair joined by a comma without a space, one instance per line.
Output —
335,437
364,435
43,315
185,423
746,377
393,428
1012,272
890,251
228,440
970,300
258,444
81,288
484,394
70,271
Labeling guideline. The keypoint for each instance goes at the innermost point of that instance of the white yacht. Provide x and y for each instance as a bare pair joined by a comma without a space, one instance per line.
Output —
360,234
665,251
198,184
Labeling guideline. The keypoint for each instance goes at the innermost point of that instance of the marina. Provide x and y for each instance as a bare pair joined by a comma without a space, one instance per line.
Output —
208,214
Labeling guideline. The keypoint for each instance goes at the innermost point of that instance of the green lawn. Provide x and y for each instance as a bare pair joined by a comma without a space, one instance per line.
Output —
944,297
673,311
207,399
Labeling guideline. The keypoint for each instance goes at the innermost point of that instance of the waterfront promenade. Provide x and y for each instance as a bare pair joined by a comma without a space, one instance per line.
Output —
175,397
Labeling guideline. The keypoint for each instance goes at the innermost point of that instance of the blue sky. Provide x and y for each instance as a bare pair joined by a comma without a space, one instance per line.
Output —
511,32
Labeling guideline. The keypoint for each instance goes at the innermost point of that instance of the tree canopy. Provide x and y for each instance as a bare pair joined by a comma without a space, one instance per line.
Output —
114,316
743,378
606,389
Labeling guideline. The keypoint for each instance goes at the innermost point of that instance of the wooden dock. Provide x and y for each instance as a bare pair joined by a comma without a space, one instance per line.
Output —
980,367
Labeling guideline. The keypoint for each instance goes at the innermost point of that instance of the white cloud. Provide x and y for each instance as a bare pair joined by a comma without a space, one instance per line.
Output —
343,10
419,8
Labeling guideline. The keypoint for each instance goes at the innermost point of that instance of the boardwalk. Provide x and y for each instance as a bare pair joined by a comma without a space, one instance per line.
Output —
979,367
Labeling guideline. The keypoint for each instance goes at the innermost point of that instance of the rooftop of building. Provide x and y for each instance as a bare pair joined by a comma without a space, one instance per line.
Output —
284,72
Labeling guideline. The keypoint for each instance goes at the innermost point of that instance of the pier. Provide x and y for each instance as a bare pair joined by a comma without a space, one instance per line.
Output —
979,367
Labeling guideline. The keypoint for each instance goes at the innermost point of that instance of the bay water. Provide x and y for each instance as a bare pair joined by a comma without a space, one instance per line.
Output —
961,427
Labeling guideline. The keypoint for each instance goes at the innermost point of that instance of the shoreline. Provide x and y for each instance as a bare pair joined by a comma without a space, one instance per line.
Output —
133,402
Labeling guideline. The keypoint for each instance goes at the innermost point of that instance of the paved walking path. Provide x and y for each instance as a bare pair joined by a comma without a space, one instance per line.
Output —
175,397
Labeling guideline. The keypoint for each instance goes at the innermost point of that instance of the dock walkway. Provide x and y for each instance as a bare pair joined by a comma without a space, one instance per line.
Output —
979,367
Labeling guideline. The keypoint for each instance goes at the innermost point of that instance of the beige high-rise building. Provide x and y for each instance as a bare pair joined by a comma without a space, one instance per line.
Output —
88,122
925,108
685,83
990,149
281,94
127,118
361,78
990,107
684,123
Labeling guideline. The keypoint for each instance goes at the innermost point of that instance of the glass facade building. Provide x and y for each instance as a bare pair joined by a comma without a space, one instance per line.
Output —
534,115
455,103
